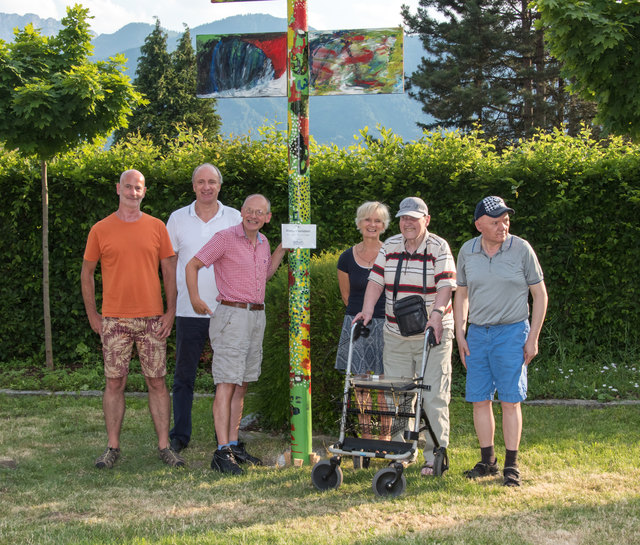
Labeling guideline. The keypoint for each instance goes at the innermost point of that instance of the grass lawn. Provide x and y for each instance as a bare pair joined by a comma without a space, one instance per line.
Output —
580,466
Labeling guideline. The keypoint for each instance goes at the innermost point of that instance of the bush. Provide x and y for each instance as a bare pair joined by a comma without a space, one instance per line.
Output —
326,321
577,201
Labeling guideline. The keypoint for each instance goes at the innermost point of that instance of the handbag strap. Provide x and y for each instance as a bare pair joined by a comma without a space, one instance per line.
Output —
399,272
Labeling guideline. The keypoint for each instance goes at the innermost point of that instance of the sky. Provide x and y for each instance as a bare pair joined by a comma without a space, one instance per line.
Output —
111,15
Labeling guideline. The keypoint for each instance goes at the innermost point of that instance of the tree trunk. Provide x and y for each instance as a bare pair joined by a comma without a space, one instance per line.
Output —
48,345
528,107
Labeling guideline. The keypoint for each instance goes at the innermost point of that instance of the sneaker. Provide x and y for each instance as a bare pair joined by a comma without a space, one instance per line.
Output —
171,457
225,462
511,476
482,470
177,445
242,456
108,458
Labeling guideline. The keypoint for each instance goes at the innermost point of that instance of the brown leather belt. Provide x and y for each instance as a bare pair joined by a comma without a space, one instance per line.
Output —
249,306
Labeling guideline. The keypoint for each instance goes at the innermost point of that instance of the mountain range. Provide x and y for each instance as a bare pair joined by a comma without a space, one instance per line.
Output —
332,119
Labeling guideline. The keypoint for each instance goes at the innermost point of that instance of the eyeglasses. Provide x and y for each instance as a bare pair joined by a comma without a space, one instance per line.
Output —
251,212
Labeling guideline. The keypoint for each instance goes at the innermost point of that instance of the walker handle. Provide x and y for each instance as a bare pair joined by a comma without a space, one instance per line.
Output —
431,336
360,330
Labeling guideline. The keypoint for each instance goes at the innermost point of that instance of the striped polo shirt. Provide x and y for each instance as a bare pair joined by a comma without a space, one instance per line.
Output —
441,272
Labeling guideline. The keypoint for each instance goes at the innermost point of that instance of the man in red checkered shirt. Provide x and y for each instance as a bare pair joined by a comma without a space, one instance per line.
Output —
242,262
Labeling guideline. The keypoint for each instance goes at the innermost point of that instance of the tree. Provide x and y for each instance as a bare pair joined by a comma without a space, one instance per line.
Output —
168,81
487,65
52,98
189,109
597,42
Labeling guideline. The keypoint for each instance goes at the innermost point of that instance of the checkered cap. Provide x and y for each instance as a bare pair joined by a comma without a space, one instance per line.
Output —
492,207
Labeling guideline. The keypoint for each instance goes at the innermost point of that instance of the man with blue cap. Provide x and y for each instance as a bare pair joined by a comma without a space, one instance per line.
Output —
496,272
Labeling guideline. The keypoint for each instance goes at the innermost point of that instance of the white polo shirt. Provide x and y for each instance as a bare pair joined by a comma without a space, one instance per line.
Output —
188,234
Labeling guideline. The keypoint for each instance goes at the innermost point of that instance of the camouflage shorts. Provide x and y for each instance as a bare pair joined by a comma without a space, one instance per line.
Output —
118,336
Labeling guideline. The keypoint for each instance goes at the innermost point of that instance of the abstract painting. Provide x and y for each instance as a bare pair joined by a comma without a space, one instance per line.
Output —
356,62
242,65
342,62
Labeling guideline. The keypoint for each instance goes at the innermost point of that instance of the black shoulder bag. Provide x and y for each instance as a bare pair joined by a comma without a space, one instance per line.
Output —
410,312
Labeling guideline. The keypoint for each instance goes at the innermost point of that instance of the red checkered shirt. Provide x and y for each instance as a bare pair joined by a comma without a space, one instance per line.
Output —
240,268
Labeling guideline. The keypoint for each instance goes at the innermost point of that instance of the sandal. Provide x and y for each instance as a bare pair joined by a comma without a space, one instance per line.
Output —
482,470
427,470
511,476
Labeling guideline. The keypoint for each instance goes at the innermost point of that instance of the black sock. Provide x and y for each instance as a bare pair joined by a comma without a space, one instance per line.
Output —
488,455
511,458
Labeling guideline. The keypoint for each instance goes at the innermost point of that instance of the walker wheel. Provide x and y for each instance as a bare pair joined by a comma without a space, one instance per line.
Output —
389,481
326,475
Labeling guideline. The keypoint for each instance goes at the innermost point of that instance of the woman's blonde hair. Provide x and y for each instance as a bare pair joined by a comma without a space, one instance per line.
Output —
370,208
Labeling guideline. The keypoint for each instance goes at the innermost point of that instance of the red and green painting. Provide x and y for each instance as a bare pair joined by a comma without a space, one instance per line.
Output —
341,62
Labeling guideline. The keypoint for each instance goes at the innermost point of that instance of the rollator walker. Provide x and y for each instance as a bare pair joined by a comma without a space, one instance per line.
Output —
377,412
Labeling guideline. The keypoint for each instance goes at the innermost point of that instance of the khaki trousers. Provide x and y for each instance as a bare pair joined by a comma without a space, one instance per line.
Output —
402,357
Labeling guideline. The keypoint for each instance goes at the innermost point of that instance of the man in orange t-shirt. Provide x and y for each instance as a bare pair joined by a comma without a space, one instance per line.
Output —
130,246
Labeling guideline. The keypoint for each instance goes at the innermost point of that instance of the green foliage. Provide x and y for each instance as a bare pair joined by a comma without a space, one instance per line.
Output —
52,97
327,313
577,201
597,42
487,65
168,81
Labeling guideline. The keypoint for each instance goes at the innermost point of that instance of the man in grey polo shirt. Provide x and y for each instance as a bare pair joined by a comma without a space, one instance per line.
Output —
190,228
496,272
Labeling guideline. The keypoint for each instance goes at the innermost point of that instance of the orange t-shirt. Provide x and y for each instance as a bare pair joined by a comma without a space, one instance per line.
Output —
129,255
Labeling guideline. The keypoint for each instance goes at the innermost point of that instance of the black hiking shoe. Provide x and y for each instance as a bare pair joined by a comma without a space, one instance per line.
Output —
243,457
177,445
482,470
107,458
225,462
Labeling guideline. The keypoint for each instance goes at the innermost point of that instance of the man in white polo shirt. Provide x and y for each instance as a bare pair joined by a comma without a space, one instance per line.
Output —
190,228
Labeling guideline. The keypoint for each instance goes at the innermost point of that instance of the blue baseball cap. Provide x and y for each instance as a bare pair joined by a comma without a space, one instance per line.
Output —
493,207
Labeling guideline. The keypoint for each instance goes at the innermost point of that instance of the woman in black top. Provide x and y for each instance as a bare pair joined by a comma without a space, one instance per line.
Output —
354,265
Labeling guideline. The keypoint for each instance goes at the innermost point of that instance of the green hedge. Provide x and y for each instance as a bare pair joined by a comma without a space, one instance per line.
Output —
577,200
327,313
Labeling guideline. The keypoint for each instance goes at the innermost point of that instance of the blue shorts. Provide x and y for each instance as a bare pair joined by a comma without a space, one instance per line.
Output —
496,362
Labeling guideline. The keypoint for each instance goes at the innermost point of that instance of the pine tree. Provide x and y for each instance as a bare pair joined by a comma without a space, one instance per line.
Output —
168,82
192,111
488,65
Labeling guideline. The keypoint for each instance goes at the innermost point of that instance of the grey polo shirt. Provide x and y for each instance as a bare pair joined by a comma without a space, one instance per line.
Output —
498,286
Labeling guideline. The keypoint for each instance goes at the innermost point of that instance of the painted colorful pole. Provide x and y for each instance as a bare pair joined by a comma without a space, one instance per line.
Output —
299,206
